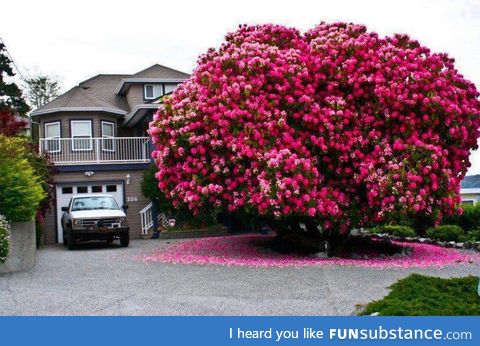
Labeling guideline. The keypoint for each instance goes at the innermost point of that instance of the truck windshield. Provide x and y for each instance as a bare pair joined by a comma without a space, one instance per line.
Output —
94,203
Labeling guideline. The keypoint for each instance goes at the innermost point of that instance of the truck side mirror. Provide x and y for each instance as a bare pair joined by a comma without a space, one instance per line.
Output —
125,206
64,208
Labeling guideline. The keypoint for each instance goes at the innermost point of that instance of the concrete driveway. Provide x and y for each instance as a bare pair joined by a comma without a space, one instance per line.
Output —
106,280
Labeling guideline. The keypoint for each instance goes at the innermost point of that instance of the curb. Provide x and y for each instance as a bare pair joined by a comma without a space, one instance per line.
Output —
194,233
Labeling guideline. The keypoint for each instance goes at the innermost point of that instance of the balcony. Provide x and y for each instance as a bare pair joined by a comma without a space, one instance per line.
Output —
81,151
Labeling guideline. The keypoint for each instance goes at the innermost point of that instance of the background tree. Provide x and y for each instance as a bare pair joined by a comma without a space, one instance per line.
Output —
41,90
318,132
11,98
9,124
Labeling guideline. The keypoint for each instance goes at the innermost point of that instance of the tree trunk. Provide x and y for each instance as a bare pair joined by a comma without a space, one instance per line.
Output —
302,236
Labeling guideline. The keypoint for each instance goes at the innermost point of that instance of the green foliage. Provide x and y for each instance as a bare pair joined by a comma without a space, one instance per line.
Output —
11,96
419,295
20,188
4,239
446,233
19,147
41,90
396,230
473,235
150,190
183,215
469,220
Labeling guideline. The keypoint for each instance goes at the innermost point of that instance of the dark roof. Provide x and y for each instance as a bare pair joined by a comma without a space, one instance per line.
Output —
100,92
471,182
160,71
96,92
104,87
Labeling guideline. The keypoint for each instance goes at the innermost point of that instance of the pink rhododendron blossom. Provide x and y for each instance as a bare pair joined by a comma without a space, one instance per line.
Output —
245,250
336,124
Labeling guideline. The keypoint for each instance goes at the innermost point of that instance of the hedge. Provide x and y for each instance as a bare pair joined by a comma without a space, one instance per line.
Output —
20,189
396,230
446,233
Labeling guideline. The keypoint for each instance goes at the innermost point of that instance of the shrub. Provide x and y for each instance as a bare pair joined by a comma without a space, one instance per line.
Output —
20,189
468,220
474,235
182,214
419,295
321,125
396,230
4,239
151,190
446,233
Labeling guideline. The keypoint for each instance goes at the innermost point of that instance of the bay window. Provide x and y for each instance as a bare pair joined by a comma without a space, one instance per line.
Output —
81,135
108,134
52,137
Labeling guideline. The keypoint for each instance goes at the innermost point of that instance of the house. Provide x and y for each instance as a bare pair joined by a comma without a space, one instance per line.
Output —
470,189
96,136
25,130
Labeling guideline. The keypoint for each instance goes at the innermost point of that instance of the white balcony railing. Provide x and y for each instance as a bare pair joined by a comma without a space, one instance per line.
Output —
113,150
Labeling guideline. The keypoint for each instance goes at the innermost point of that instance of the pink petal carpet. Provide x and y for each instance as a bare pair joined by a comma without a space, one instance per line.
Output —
245,250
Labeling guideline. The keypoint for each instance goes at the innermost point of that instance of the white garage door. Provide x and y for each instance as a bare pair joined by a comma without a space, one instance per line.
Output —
66,191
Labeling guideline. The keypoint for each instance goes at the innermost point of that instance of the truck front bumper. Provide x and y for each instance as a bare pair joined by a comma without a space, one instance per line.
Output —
96,233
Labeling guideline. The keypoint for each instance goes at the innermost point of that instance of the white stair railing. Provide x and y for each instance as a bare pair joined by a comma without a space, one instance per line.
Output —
146,217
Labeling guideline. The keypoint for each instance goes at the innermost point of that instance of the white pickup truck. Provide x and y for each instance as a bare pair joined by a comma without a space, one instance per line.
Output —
94,217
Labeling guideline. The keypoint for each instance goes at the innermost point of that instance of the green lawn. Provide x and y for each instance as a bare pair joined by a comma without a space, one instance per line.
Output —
419,295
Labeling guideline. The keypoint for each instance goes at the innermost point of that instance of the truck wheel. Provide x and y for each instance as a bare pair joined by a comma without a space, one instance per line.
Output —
124,240
70,241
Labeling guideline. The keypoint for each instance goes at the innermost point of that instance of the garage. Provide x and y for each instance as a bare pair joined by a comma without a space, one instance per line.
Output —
65,191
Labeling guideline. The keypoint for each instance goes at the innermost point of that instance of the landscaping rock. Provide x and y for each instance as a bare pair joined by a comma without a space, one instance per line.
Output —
355,232
459,245
321,254
375,314
467,245
422,240
452,243
364,232
441,243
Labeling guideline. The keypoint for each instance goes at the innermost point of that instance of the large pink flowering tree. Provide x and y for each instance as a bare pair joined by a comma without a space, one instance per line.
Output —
334,128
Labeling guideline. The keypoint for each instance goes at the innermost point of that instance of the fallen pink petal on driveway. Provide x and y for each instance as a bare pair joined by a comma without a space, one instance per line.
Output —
244,250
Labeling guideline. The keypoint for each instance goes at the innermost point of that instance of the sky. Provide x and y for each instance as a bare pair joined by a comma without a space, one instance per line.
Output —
76,40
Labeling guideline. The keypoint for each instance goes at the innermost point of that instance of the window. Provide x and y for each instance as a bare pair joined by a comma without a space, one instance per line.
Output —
97,189
94,203
66,190
82,189
468,201
152,91
52,137
108,133
81,135
111,188
170,88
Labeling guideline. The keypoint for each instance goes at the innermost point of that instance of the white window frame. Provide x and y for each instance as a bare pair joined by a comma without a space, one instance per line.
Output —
174,86
90,148
153,91
112,138
48,139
